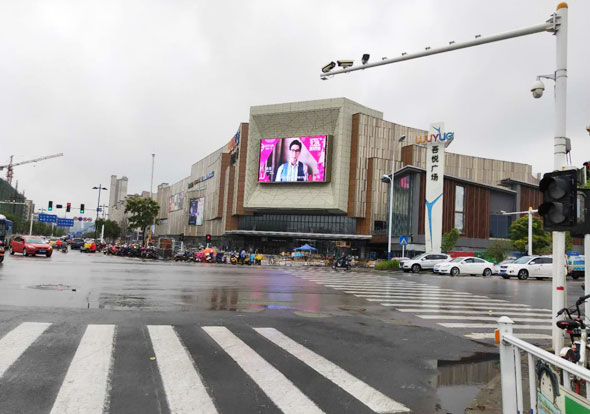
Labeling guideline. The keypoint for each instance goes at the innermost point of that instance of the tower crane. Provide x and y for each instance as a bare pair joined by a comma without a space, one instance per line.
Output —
9,172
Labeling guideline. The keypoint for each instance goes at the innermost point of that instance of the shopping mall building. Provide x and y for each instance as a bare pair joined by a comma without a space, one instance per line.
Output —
312,172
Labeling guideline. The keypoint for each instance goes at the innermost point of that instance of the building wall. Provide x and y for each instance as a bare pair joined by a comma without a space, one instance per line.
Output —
324,117
482,170
373,138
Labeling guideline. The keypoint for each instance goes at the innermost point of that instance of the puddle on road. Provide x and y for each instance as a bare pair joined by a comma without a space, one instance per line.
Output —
459,382
51,287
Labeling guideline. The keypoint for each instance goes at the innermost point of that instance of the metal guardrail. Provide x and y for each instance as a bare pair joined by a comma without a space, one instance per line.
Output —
511,370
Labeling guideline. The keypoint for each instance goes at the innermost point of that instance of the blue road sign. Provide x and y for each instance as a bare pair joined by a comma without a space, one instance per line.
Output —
65,222
47,218
403,240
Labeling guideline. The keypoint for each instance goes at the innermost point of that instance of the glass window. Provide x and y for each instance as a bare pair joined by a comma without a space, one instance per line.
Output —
459,207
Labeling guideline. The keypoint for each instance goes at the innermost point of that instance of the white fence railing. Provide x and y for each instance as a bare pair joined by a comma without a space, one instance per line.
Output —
554,394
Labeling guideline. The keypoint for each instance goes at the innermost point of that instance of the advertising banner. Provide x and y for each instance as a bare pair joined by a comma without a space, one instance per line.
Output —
200,210
175,202
295,159
435,171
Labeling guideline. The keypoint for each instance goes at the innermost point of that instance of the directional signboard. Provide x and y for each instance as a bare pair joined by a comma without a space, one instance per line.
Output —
65,222
403,240
47,218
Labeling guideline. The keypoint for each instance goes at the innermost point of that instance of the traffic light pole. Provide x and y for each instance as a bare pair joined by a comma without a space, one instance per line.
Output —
559,287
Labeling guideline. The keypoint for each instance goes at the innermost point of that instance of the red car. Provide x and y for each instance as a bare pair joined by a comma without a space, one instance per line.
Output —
30,245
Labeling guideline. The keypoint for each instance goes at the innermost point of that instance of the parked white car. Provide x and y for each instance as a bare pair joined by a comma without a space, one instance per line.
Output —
539,267
424,261
467,265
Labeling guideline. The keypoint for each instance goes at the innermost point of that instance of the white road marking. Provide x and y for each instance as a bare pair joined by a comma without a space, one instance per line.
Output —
403,289
85,388
366,394
468,299
444,302
185,391
438,305
16,342
477,312
518,335
482,318
492,326
279,389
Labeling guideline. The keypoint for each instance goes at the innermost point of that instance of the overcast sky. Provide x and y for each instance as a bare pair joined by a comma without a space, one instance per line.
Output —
108,83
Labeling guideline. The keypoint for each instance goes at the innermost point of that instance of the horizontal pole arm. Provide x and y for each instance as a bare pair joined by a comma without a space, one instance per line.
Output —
545,27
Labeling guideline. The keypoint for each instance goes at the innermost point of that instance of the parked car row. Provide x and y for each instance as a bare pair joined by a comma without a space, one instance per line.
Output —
539,267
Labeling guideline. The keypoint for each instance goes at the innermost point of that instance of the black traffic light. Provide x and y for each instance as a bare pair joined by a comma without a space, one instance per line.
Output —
81,208
58,206
50,206
560,207
208,238
68,207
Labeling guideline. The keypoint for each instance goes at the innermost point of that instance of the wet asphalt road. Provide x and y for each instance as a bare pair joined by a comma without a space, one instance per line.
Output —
396,354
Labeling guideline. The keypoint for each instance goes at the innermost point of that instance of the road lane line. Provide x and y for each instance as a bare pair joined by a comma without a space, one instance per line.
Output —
482,318
492,326
438,305
85,388
363,392
16,342
421,295
279,389
185,391
435,297
475,312
518,335
443,302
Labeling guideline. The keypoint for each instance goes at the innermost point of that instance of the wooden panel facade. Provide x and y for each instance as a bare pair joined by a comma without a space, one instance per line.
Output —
476,216
530,197
363,225
353,165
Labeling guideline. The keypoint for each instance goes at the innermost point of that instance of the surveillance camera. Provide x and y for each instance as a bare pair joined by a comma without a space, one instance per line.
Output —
365,58
538,88
345,63
328,67
588,129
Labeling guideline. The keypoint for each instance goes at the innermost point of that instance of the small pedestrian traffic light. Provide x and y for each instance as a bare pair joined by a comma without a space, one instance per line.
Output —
208,238
50,206
81,208
68,207
559,208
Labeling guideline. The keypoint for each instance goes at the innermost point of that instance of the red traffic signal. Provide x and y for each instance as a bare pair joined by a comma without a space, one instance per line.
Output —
68,207
208,238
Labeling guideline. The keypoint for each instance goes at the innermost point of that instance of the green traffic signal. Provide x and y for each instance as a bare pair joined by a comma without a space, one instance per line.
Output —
50,206
81,208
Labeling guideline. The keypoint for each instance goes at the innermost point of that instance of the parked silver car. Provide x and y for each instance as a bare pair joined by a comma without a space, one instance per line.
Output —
424,261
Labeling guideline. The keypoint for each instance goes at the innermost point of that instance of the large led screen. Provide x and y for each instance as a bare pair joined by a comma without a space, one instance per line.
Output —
295,159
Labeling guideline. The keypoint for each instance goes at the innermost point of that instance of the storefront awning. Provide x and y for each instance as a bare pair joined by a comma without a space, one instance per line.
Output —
325,236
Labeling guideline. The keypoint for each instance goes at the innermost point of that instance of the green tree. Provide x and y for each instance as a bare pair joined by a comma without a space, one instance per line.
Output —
111,228
519,230
449,240
497,251
144,212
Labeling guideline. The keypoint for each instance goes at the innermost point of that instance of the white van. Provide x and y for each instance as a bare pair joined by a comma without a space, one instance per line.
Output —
539,267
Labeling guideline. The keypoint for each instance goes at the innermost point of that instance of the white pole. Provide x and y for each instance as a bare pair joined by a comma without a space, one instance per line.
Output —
530,231
102,234
152,180
507,367
391,181
587,273
559,287
31,225
403,250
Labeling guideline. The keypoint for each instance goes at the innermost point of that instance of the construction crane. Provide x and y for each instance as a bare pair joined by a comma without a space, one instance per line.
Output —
9,166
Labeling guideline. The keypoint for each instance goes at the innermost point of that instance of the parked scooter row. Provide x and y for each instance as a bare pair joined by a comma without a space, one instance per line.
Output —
131,250
201,256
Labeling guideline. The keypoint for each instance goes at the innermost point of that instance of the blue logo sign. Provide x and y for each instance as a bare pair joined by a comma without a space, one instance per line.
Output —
47,218
65,222
403,240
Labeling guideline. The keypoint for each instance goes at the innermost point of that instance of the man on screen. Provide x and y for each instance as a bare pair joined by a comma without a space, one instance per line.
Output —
292,170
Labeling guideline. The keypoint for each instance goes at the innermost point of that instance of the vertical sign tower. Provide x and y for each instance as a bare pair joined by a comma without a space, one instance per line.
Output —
435,171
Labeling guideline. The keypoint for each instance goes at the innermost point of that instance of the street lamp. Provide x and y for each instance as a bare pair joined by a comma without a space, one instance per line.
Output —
391,179
530,212
99,188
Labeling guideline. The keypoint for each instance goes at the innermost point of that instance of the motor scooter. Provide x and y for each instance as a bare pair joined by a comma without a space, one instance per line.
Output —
341,263
183,256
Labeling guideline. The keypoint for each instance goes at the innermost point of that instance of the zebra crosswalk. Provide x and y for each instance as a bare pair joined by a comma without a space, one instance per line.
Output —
445,307
87,383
